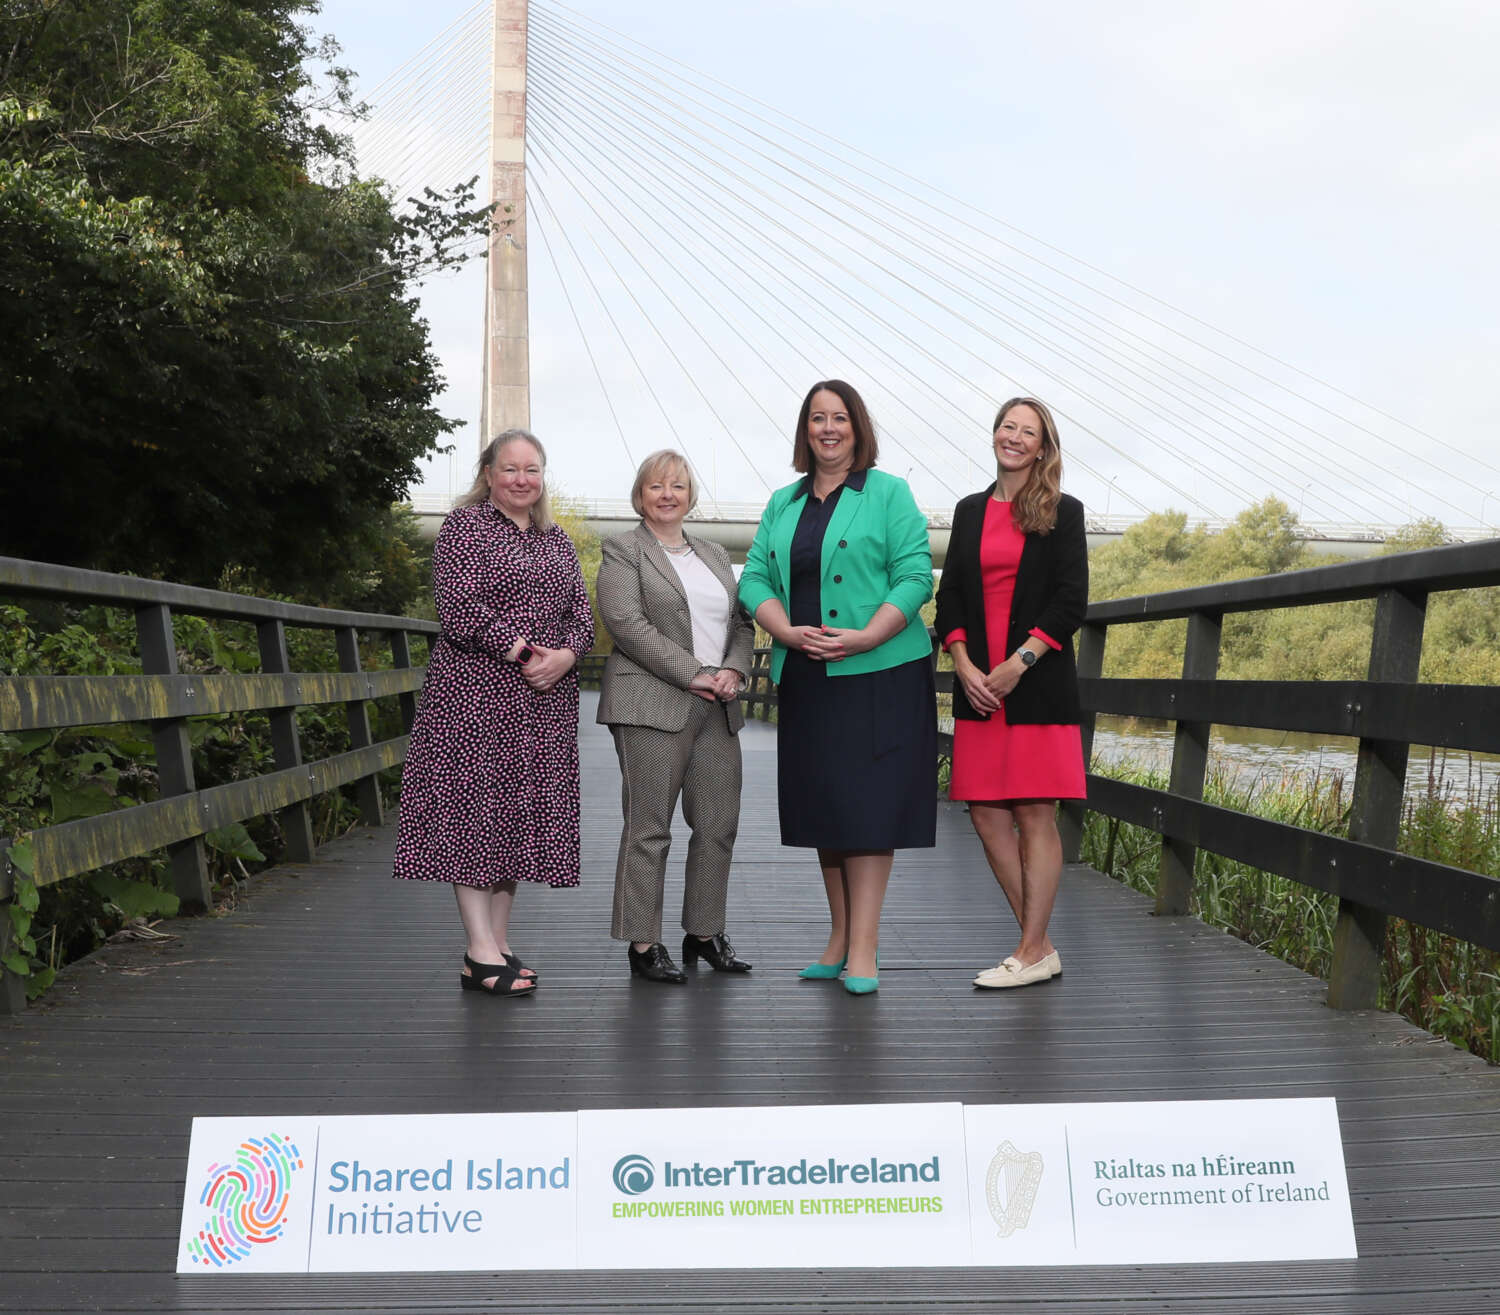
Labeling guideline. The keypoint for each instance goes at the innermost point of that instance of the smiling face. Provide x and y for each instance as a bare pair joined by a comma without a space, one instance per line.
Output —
1018,440
515,479
830,433
665,498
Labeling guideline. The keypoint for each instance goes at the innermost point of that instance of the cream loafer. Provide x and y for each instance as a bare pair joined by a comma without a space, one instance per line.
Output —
1012,972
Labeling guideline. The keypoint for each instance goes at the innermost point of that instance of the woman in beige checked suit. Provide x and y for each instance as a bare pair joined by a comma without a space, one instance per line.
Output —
670,697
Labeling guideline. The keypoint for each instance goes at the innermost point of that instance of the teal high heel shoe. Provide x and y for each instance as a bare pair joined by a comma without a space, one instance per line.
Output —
864,985
824,971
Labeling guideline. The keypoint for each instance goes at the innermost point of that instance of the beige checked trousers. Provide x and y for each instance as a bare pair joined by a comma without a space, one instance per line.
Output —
701,763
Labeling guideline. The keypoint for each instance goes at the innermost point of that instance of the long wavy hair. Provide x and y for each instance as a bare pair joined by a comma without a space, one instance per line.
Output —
1034,508
479,491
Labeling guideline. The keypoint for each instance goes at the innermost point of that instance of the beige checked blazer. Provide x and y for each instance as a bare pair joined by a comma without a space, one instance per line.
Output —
644,605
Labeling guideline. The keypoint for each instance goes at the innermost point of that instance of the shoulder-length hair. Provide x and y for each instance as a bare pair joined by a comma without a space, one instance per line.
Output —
866,448
1034,508
657,466
479,491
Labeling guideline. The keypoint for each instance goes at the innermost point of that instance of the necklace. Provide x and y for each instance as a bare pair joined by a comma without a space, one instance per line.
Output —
675,549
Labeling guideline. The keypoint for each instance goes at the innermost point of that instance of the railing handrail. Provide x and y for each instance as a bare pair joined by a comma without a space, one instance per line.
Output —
163,698
1430,570
48,580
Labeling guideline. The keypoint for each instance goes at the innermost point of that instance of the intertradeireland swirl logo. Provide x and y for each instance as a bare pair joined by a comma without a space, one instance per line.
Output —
247,1200
634,1174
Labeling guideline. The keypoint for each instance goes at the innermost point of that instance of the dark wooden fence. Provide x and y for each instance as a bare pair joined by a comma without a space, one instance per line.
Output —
164,699
1387,712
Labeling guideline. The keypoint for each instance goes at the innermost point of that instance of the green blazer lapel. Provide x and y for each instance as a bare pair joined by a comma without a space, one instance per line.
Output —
781,541
844,514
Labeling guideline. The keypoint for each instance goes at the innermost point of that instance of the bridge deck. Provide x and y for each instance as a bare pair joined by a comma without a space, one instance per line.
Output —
331,991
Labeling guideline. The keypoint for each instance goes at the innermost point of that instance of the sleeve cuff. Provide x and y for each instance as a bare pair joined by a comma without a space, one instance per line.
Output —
958,636
1046,639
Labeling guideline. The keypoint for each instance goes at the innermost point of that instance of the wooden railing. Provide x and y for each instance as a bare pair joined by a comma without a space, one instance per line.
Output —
1388,711
164,699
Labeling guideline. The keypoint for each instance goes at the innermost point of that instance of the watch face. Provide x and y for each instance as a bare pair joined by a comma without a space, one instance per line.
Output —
525,656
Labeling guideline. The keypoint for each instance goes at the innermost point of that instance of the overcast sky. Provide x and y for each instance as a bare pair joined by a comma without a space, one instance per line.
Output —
1320,178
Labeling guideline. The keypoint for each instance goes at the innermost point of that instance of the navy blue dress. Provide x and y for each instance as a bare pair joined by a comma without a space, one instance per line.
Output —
856,756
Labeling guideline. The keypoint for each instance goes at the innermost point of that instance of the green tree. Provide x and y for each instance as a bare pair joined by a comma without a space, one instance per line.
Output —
213,358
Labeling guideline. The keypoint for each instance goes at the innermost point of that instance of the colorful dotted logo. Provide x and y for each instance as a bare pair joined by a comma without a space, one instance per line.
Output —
247,1200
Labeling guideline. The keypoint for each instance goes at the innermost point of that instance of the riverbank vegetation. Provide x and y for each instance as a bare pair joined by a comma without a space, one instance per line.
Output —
1447,986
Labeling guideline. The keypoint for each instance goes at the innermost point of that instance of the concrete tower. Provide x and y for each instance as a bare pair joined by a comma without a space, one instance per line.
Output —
506,403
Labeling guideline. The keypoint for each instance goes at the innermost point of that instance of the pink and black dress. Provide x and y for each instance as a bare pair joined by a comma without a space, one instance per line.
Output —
999,588
490,789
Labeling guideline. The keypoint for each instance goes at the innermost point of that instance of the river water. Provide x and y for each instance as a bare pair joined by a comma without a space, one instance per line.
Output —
1259,757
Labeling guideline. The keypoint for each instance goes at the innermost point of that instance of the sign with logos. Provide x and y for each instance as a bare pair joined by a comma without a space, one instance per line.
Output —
774,1187
778,1186
1164,1182
365,1194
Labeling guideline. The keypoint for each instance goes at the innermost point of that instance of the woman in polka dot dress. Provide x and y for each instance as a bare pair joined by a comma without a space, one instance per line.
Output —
489,797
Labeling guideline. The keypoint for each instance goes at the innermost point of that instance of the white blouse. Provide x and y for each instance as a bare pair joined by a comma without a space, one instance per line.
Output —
708,606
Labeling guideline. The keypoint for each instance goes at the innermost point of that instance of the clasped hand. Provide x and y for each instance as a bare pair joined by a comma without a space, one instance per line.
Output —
985,692
829,643
723,684
547,666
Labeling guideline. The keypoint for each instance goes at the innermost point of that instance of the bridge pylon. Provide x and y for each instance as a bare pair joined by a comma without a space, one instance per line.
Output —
506,400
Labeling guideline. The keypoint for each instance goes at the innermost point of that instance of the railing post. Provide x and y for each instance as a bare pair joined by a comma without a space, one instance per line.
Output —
1200,661
1071,814
1375,806
401,659
174,755
367,788
12,985
286,743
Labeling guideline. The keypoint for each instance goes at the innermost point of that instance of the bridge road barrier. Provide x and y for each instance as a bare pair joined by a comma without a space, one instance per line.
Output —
165,699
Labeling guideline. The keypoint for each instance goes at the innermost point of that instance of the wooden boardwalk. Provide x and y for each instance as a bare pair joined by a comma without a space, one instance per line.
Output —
330,991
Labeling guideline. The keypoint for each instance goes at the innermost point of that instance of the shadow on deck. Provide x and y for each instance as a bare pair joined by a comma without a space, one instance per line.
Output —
331,991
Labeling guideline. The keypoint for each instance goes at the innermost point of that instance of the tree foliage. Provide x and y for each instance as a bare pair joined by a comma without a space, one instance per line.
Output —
213,357
1329,642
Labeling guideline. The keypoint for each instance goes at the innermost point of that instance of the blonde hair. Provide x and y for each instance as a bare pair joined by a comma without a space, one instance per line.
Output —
655,467
1034,508
479,491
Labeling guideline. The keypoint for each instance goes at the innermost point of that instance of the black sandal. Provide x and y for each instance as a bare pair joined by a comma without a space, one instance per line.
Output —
514,961
505,977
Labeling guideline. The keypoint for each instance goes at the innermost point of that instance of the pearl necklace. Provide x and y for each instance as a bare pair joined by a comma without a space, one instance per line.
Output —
676,550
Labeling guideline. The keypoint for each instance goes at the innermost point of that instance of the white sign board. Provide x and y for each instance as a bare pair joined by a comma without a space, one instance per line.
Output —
775,1187
772,1187
364,1194
1163,1182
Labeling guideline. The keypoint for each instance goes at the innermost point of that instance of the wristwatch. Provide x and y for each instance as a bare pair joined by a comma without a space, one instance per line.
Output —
1028,658
525,655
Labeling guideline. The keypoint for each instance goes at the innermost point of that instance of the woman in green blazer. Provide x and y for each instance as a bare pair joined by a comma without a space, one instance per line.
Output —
837,573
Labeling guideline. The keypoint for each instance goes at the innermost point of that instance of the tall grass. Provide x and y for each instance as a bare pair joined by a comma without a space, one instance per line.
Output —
1446,985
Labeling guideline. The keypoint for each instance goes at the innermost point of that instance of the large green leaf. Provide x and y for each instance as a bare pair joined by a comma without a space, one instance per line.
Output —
234,841
135,899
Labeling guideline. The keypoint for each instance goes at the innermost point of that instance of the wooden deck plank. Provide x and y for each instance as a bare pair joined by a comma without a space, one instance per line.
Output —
330,991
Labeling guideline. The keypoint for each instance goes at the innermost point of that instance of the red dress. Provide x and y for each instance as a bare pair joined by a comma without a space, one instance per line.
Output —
991,760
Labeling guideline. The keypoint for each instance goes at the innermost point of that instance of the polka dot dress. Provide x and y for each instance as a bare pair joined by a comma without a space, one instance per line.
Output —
490,789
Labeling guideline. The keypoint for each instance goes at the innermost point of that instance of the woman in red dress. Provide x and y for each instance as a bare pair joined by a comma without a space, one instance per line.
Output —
1014,590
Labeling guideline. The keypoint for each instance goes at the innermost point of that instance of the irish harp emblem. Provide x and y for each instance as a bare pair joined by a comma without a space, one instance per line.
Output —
1010,1186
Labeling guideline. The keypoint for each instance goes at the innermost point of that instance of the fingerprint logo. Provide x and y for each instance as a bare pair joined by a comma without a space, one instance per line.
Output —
247,1200
634,1174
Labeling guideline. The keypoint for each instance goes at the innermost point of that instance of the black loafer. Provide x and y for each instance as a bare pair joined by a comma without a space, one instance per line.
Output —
655,965
716,950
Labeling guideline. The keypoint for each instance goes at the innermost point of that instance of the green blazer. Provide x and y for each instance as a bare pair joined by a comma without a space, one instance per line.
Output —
875,551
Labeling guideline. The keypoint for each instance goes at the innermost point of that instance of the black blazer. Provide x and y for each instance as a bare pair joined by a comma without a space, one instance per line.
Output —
1051,595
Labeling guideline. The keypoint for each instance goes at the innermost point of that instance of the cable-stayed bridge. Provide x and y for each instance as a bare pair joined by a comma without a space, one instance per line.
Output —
702,257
